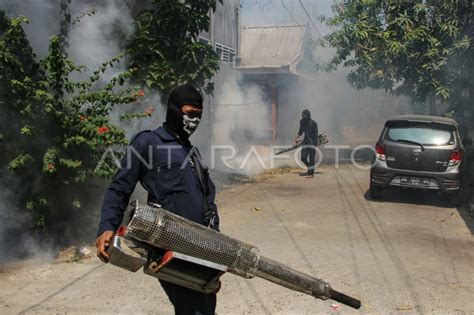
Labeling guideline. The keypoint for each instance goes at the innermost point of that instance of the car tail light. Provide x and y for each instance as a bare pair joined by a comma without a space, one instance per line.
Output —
379,152
455,158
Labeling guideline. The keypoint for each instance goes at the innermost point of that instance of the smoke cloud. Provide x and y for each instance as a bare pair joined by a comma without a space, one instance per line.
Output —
15,242
240,114
100,37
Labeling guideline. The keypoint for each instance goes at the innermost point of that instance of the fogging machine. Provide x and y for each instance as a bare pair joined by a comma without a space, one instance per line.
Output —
180,251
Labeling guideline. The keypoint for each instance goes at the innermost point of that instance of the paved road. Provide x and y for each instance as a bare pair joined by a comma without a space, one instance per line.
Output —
410,254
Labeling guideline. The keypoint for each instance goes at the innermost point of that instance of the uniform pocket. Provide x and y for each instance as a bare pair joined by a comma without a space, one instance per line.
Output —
171,180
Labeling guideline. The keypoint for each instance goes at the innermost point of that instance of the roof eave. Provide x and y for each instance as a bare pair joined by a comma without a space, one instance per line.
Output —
264,69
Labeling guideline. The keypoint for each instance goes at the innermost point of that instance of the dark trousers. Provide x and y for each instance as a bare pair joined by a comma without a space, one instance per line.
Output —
307,157
189,302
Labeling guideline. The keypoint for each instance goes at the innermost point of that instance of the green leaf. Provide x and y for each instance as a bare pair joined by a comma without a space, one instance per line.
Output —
30,205
19,162
69,163
76,204
26,130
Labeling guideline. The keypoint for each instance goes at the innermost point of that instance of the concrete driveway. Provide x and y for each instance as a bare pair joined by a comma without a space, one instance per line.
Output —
409,254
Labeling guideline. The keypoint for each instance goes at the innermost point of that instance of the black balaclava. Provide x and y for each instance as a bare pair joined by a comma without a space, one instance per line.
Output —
177,123
306,116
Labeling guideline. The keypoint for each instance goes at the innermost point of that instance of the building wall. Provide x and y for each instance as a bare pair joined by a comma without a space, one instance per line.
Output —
225,24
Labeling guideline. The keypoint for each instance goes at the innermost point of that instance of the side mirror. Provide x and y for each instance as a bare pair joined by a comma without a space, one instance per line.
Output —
467,141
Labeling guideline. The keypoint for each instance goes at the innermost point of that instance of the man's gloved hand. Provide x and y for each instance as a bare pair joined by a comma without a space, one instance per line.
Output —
102,242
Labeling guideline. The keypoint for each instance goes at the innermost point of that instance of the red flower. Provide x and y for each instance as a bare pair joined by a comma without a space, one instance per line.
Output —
134,95
148,111
50,166
101,130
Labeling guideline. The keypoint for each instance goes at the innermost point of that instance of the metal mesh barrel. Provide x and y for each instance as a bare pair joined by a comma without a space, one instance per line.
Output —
166,230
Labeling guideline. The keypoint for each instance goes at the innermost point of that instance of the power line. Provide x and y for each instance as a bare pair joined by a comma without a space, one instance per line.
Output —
309,17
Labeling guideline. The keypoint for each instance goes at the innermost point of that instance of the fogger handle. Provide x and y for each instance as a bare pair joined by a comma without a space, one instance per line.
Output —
344,299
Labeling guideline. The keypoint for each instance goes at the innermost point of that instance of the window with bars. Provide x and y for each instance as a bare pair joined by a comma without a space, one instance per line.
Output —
224,52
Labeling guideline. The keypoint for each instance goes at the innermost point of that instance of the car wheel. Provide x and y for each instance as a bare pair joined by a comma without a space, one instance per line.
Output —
375,192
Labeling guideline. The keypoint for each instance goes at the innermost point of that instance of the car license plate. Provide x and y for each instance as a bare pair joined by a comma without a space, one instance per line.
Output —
415,180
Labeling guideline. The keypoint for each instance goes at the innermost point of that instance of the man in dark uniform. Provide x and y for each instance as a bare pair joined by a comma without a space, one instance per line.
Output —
310,129
171,170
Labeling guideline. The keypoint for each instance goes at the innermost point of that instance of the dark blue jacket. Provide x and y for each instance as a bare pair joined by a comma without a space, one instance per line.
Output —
158,161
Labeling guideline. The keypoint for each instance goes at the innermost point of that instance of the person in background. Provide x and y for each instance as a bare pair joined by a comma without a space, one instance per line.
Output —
309,128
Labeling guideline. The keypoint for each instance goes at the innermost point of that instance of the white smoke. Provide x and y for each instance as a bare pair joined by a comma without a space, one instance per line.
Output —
241,122
240,112
95,39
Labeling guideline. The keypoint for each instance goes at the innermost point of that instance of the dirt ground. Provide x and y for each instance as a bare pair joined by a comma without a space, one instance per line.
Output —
410,254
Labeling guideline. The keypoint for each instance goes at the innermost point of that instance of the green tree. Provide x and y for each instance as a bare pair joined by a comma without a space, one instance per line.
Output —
422,49
165,50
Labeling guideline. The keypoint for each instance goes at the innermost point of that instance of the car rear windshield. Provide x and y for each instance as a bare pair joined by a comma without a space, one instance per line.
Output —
423,133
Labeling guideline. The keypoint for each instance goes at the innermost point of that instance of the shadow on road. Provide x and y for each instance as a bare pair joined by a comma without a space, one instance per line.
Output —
429,198
421,197
468,216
